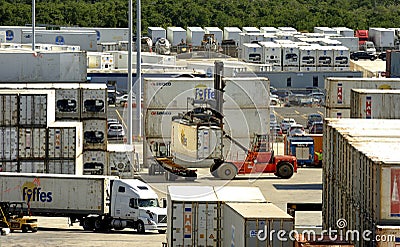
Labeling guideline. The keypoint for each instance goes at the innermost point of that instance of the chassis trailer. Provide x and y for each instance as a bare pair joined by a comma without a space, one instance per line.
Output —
99,203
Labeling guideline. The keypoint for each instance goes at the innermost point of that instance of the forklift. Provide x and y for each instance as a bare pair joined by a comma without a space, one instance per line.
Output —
16,216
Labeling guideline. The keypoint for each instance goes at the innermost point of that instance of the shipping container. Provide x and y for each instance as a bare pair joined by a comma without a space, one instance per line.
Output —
383,38
303,240
325,57
104,34
14,33
191,143
94,134
375,103
239,194
325,30
269,30
94,101
95,162
218,33
65,140
288,29
68,102
100,60
249,38
86,194
156,33
272,53
242,223
8,143
337,112
36,110
290,55
86,39
32,166
194,35
252,53
9,166
350,42
338,89
43,66
66,166
176,35
341,56
232,33
308,56
32,143
344,31
8,109
250,30
121,160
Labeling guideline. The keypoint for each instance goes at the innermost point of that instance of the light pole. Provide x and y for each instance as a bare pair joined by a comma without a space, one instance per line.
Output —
129,132
138,69
33,25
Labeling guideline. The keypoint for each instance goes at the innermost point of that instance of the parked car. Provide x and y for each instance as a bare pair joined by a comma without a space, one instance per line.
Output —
296,130
317,128
272,119
112,121
275,130
313,117
273,99
115,131
318,96
362,55
286,123
121,100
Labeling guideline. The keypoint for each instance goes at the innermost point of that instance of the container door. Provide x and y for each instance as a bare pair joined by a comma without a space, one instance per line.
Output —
206,223
302,153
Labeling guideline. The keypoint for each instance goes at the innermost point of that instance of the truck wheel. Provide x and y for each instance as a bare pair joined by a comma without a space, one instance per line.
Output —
98,226
25,228
87,224
285,170
227,171
140,227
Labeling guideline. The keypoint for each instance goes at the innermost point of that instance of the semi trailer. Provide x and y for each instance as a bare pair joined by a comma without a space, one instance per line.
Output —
98,203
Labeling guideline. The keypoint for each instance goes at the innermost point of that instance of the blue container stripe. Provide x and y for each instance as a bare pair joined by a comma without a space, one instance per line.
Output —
395,215
187,236
188,209
397,240
369,97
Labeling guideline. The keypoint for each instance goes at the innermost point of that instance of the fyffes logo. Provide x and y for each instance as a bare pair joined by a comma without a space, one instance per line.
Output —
183,138
202,92
32,192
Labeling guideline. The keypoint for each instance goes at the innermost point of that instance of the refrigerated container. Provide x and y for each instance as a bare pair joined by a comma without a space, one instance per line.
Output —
290,55
217,33
176,35
32,143
375,103
325,30
100,60
195,35
308,57
86,39
252,53
66,166
338,89
95,162
341,56
104,34
32,166
14,33
68,102
324,57
8,143
272,53
383,38
43,66
156,33
94,134
232,33
94,101
344,31
249,38
121,160
65,140
242,223
8,109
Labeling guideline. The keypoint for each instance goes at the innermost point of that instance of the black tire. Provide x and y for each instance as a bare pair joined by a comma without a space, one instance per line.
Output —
34,229
227,171
162,231
25,228
285,170
88,224
190,178
140,227
98,225
170,176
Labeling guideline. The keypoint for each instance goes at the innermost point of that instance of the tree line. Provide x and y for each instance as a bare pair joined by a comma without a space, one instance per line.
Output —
303,15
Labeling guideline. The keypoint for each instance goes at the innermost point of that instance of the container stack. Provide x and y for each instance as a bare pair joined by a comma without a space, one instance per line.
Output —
338,92
361,176
375,104
223,216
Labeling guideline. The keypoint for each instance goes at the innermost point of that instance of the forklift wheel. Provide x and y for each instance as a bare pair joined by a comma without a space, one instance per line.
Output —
227,171
170,176
285,170
25,228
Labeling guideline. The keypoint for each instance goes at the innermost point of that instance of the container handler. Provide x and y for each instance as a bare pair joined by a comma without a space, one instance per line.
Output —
16,216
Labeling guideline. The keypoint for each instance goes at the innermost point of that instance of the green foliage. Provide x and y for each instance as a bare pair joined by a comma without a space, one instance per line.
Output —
300,14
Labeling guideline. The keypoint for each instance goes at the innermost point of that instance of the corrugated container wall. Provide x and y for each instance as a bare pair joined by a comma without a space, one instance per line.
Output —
68,104
65,140
121,161
94,101
95,162
373,103
65,166
8,110
94,134
43,66
8,144
176,35
32,143
243,221
36,109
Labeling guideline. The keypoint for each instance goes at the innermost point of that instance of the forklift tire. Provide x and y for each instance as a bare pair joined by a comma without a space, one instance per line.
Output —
285,170
34,229
227,171
215,174
25,228
170,176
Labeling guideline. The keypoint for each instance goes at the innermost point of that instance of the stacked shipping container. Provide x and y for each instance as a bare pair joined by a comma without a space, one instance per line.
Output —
360,176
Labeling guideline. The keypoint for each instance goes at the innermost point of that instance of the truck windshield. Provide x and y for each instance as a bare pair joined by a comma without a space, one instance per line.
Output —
148,203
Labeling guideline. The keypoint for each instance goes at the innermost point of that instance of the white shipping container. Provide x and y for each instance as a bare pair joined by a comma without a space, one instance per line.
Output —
13,33
193,215
349,42
9,166
338,89
8,110
176,35
239,194
32,166
306,68
250,30
8,143
337,112
269,29
32,143
3,37
121,160
194,35
290,55
344,31
252,53
383,38
94,101
232,33
43,66
68,102
272,53
104,34
156,33
63,166
308,56
250,38
86,39
95,162
100,60
243,221
94,134
167,93
341,56
325,56
65,140
218,33
36,109
375,103
86,193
